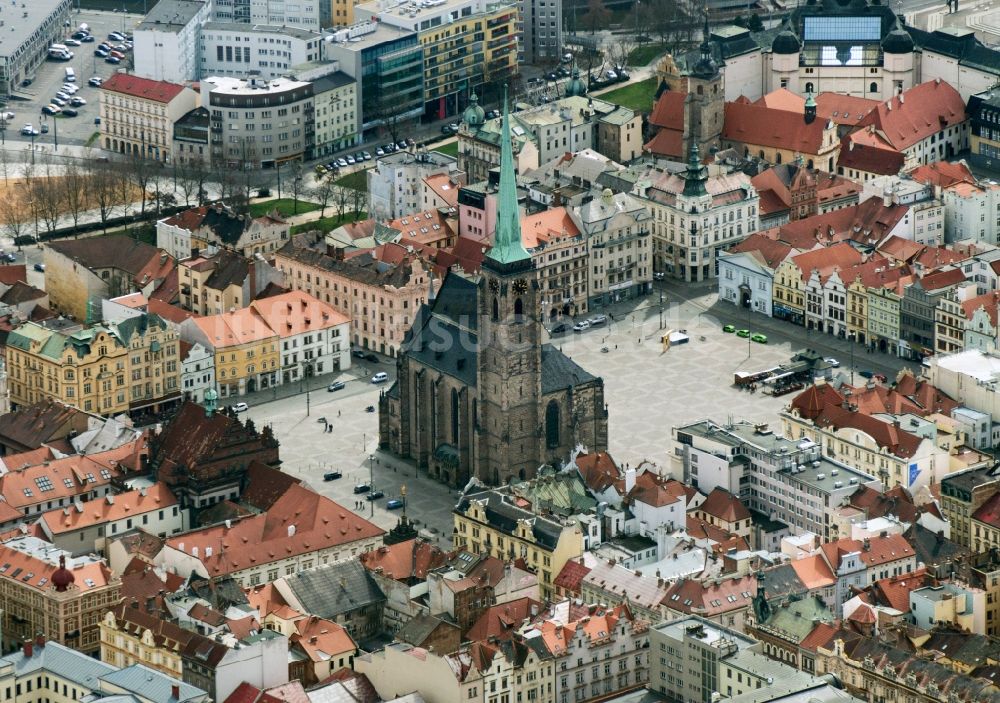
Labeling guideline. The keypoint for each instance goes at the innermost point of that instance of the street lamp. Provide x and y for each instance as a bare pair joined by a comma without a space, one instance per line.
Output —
371,480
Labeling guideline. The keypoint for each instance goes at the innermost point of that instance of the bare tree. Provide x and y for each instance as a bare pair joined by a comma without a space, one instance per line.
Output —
45,194
597,16
358,199
297,185
138,172
620,50
104,190
74,192
341,196
323,193
16,217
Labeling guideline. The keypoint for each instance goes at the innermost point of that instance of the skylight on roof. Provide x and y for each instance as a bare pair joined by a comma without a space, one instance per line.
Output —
90,478
68,482
44,483
106,474
28,492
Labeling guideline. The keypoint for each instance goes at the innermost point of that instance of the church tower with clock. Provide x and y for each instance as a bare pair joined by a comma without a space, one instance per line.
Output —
509,373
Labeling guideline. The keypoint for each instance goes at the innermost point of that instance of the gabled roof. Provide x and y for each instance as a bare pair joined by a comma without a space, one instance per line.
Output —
723,505
917,113
503,620
656,491
571,575
334,589
712,597
894,591
600,472
827,260
108,509
814,572
989,512
900,442
771,251
757,125
943,173
404,561
865,152
115,251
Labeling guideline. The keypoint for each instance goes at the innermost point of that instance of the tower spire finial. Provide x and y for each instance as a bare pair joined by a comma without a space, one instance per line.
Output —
507,245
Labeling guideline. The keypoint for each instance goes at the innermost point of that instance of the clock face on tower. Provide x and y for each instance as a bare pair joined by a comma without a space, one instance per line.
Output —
520,286
495,286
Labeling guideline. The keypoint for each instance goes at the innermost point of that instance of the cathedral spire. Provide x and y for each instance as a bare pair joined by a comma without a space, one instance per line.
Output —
507,247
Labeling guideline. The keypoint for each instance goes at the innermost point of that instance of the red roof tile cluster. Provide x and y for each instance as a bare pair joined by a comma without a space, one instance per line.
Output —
866,223
894,591
143,88
770,252
111,508
863,151
827,260
667,119
989,512
916,114
943,173
880,550
600,472
405,561
656,491
570,577
988,302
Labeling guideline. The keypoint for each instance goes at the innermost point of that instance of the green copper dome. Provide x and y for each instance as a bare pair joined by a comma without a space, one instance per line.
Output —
474,115
575,86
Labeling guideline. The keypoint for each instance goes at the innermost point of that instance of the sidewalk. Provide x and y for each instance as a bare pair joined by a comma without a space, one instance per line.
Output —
356,377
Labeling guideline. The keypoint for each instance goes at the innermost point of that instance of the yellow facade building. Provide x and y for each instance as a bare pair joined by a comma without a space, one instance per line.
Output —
488,523
789,292
246,349
468,44
108,369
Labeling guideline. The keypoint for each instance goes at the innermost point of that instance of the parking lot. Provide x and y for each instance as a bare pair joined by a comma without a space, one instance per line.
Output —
27,102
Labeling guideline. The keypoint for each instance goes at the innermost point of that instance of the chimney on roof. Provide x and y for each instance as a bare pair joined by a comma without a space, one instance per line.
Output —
175,691
40,640
28,648
866,545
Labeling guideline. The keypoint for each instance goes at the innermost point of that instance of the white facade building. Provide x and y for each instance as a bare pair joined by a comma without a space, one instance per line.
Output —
395,184
750,271
971,212
197,371
166,43
237,49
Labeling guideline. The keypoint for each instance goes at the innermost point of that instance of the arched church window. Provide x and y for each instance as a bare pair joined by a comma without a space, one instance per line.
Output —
496,310
873,88
552,424
518,308
810,88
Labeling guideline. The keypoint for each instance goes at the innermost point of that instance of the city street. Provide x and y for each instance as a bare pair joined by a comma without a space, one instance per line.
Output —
647,390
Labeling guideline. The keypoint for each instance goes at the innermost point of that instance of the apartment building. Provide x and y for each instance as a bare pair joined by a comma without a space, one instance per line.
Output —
270,51
336,97
245,347
138,115
49,592
395,185
258,123
540,27
617,229
560,252
380,290
686,657
789,480
209,228
301,530
88,527
696,217
491,523
962,494
127,366
857,563
197,371
314,337
166,41
224,281
467,43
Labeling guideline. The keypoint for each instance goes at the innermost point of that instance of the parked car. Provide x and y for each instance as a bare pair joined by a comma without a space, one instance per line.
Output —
10,257
403,145
72,42
336,386
581,326
70,112
95,82
7,116
728,329
350,160
116,36
659,276
375,495
117,54
113,60
368,157
240,407
26,82
51,109
380,377
372,358
743,333
393,504
598,320
29,131
446,129
358,354
102,53
558,328
332,475
40,267
88,39
866,373
45,128
361,488
379,152
759,338
832,362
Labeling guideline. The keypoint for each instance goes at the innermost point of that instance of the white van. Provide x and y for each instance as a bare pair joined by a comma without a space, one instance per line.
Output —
380,377
70,75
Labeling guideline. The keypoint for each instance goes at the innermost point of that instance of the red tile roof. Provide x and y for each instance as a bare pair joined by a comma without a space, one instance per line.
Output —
894,591
936,280
866,223
407,560
144,88
886,434
321,639
882,550
9,275
108,509
943,173
811,402
989,512
814,572
821,636
757,125
827,260
600,472
771,251
655,490
864,152
988,302
843,109
723,505
318,523
711,597
667,142
917,113
668,110
503,620
571,575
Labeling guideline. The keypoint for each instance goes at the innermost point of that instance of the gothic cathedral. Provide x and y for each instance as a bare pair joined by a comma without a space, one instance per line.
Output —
479,393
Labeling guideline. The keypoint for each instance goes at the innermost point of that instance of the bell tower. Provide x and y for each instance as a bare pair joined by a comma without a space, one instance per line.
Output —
509,333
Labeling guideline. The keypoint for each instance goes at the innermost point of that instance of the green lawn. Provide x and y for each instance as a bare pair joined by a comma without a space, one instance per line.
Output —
327,224
637,96
285,206
449,149
642,55
357,180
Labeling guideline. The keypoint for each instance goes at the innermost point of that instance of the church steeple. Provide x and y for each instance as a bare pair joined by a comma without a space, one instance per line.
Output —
696,174
507,251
